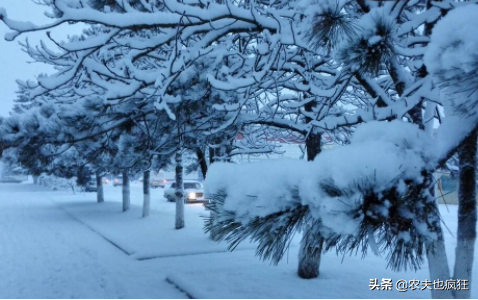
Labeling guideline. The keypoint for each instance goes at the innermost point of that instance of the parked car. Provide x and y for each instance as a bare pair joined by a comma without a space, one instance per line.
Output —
193,192
156,183
105,181
91,186
118,181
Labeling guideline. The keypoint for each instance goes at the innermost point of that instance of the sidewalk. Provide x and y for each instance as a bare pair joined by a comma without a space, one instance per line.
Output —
201,268
143,238
44,253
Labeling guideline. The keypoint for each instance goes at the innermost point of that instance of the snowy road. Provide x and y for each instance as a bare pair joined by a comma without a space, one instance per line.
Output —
45,253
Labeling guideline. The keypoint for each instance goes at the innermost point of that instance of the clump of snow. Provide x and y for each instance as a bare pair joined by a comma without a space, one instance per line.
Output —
452,58
374,40
405,136
256,189
382,155
262,48
454,42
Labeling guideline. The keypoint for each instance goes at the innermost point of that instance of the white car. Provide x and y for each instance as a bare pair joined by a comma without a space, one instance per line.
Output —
91,186
118,181
193,192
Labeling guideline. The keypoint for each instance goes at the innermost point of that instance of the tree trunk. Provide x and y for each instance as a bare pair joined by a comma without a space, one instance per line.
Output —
212,158
179,193
437,261
202,162
466,236
126,200
223,153
211,155
99,192
146,194
309,259
312,144
438,266
416,116
35,179
226,151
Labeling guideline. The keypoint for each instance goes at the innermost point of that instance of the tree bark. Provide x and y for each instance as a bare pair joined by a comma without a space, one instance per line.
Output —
466,235
202,162
312,144
213,152
35,179
146,194
126,199
437,260
211,155
309,259
438,266
226,151
179,193
99,185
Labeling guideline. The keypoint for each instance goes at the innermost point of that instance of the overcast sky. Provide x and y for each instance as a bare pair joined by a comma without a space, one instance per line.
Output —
13,61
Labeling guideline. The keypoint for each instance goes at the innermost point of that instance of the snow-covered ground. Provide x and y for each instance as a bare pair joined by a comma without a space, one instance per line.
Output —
54,244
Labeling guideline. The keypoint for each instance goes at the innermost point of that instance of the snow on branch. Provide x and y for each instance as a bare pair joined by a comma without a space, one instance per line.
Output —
452,58
368,190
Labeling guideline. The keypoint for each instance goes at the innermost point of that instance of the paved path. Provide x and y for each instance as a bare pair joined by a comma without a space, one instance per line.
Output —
44,253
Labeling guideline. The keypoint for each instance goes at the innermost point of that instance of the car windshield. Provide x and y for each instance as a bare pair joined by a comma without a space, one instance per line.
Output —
192,185
188,185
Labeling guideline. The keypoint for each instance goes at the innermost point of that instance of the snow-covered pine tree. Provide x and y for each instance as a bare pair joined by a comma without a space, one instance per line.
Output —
389,43
452,59
376,46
